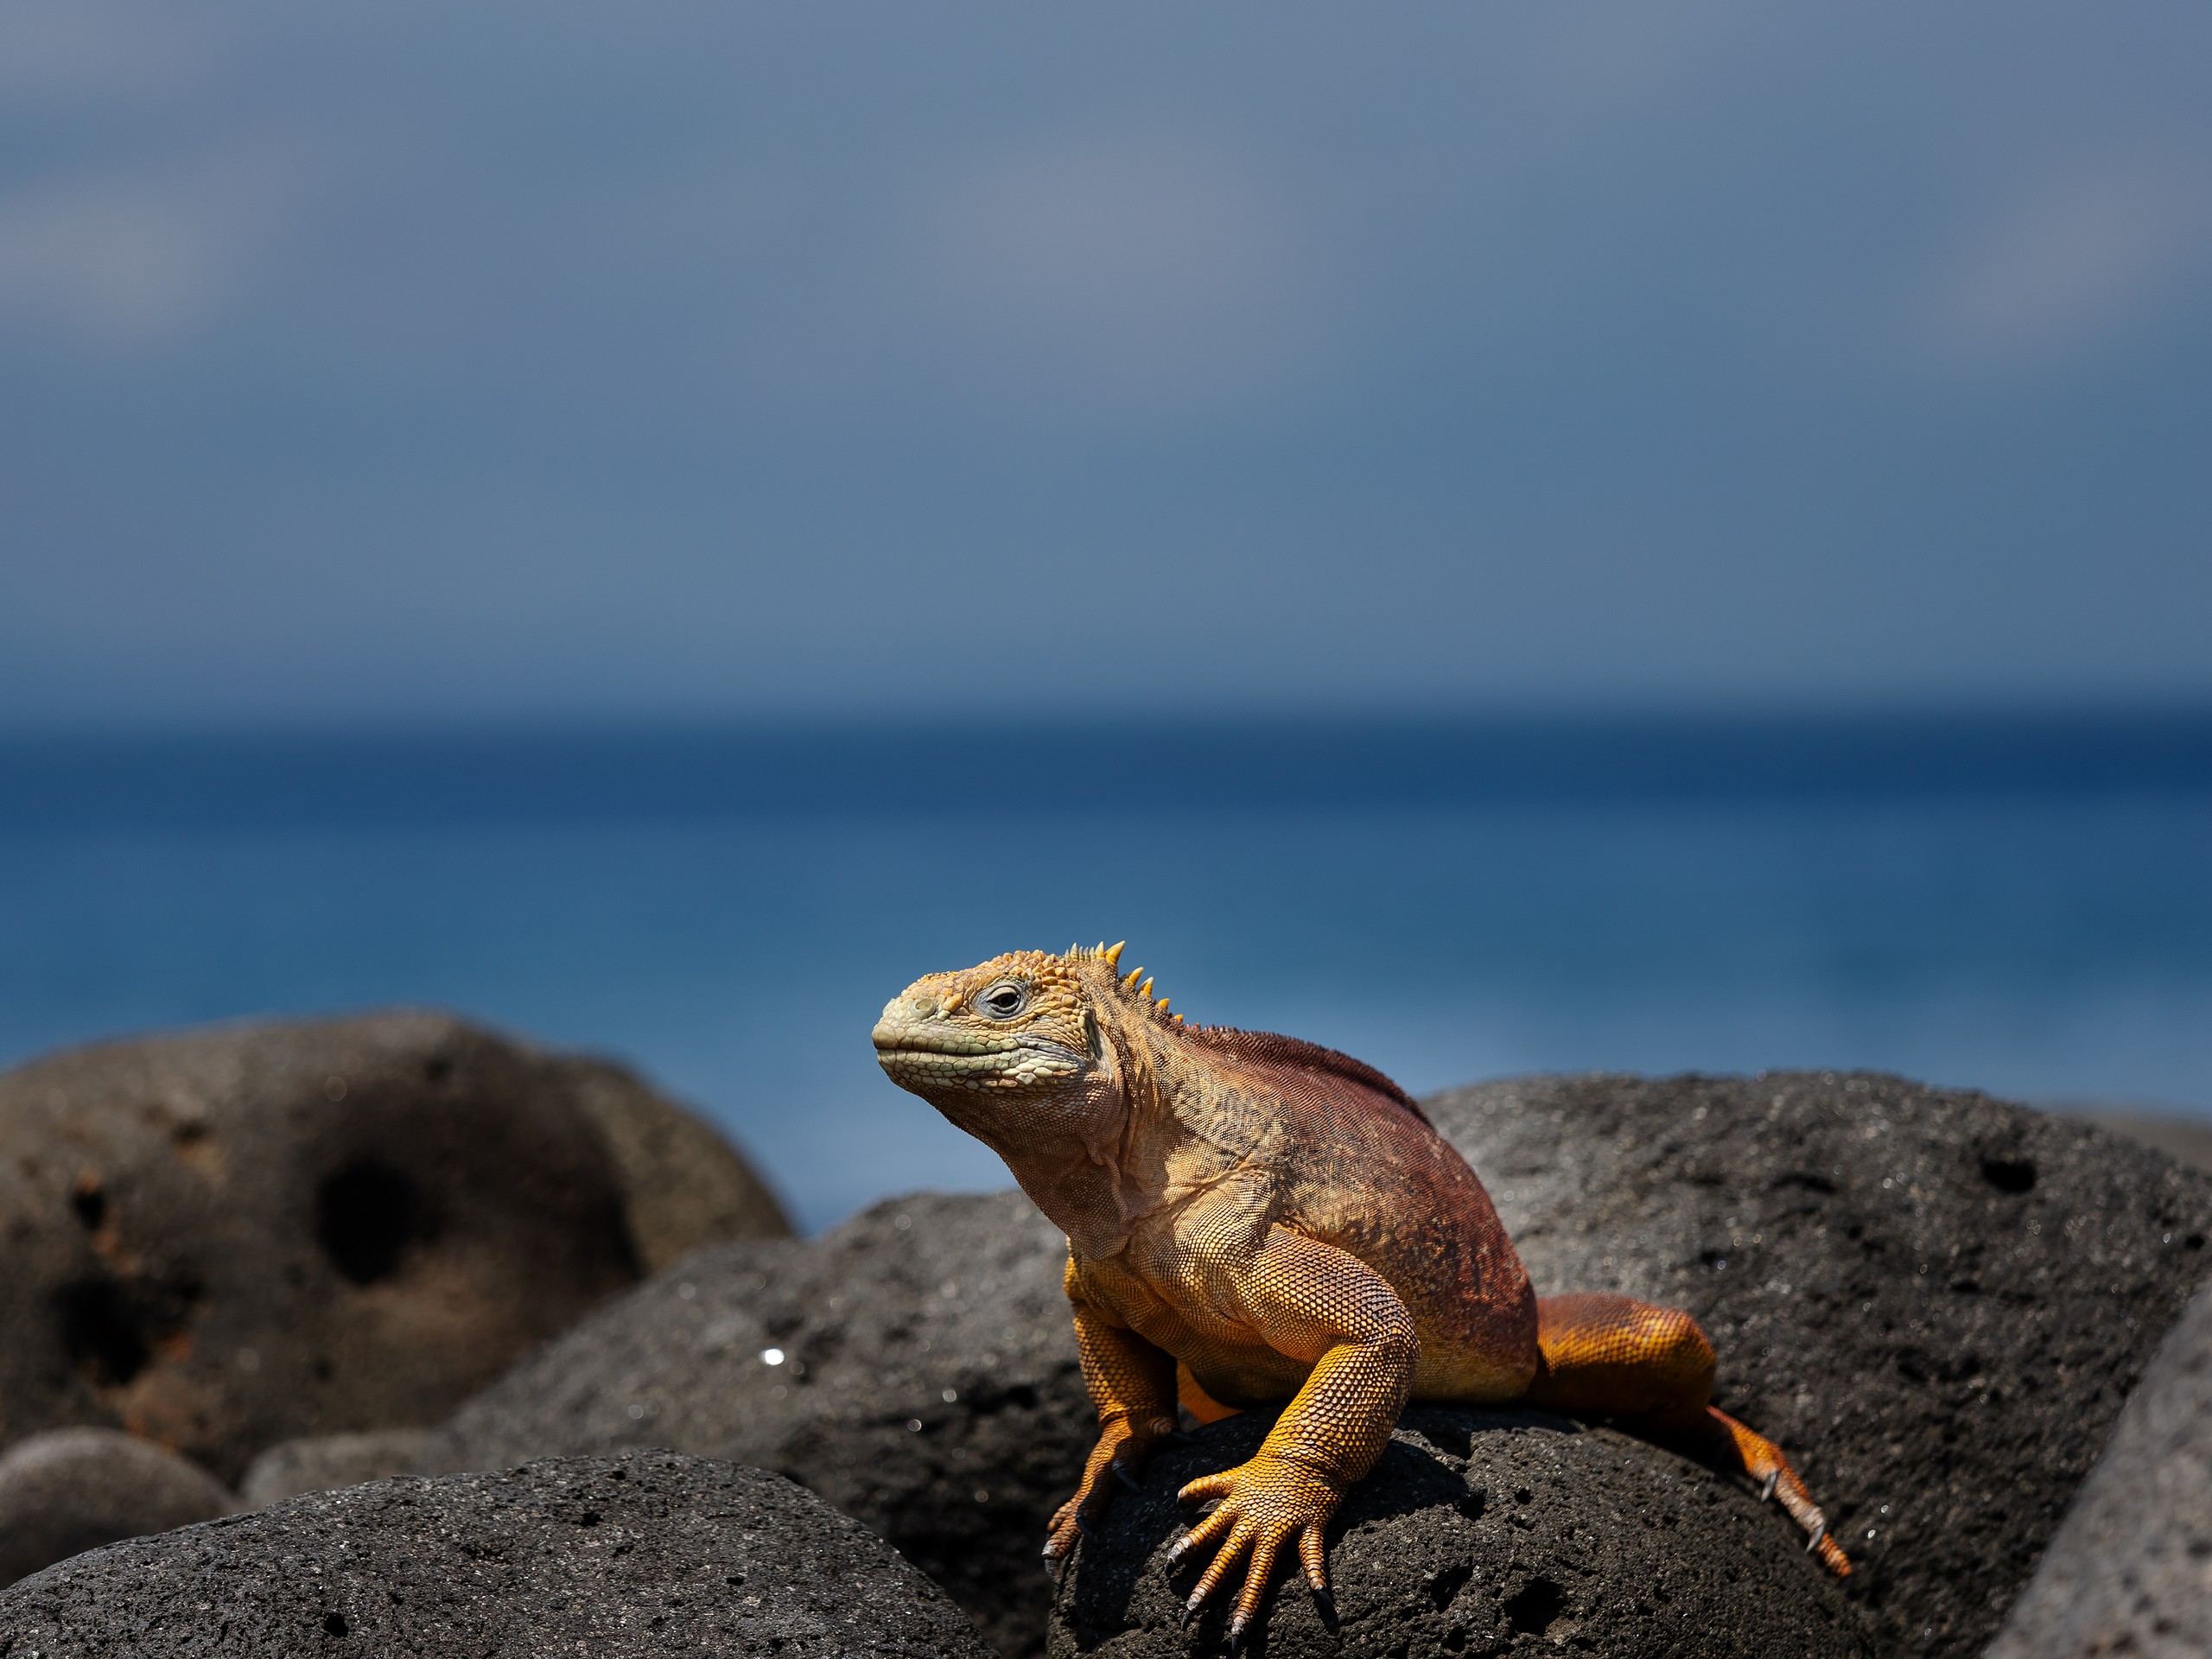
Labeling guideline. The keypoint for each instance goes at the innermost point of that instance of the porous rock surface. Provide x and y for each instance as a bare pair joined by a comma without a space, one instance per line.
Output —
71,1489
642,1554
239,1236
1936,1301
926,1384
319,1463
1479,1532
2130,1571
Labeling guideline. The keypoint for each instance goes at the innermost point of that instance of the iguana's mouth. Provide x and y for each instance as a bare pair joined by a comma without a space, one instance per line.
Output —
956,1058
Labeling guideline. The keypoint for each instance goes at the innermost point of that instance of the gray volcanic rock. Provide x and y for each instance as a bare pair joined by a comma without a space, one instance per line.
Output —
1480,1533
73,1489
641,1555
1936,1301
236,1236
2130,1571
322,1463
927,1384
682,1184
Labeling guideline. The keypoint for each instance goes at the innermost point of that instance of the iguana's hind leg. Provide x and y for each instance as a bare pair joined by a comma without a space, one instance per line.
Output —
1607,1355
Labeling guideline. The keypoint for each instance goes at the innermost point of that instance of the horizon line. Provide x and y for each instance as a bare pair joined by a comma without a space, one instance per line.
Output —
1745,714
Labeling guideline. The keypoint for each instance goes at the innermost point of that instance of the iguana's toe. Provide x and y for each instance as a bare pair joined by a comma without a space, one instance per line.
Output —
1263,1505
1114,1462
1763,1462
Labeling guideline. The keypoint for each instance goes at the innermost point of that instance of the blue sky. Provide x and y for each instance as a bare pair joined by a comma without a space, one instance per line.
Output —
400,361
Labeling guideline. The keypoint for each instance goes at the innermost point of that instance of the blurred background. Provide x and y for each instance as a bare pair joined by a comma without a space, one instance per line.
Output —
1497,538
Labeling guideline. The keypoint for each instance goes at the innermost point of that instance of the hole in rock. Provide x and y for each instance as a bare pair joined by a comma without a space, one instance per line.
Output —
1809,1183
436,1068
333,1624
1535,1606
1448,1584
91,1206
365,1216
2009,1174
101,1331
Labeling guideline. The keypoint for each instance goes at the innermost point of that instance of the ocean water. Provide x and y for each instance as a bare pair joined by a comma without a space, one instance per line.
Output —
2023,905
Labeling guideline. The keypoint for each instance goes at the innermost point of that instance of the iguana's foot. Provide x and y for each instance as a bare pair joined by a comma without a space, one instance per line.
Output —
1117,1461
1265,1503
1763,1462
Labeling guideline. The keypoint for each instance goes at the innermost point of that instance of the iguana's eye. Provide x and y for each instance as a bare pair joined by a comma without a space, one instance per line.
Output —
1004,1000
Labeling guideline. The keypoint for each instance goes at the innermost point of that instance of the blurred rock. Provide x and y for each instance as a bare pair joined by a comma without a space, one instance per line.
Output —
682,1185
637,1555
923,1381
2130,1571
1479,1532
73,1489
322,1463
235,1236
1936,1301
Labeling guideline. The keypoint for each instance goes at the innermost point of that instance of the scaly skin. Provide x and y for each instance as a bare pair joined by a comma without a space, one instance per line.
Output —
1283,1223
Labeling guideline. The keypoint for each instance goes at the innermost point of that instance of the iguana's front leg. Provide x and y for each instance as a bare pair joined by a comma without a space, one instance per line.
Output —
1326,1308
1133,1384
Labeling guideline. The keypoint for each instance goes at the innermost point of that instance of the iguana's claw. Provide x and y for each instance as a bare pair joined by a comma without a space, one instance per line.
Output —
1121,1450
1264,1505
1762,1461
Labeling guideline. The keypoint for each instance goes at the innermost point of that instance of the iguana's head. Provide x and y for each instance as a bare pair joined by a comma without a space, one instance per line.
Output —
1038,1056
1018,1047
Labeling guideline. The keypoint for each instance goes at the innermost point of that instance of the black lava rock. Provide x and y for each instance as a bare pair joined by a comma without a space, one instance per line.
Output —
1969,1399
924,1380
643,1554
235,1236
2130,1571
1478,1533
1936,1302
74,1489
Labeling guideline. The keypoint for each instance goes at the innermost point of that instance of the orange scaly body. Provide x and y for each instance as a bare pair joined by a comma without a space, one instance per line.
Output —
1284,1223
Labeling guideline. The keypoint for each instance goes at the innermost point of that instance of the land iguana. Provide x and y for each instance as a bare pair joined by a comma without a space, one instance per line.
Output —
1252,1219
